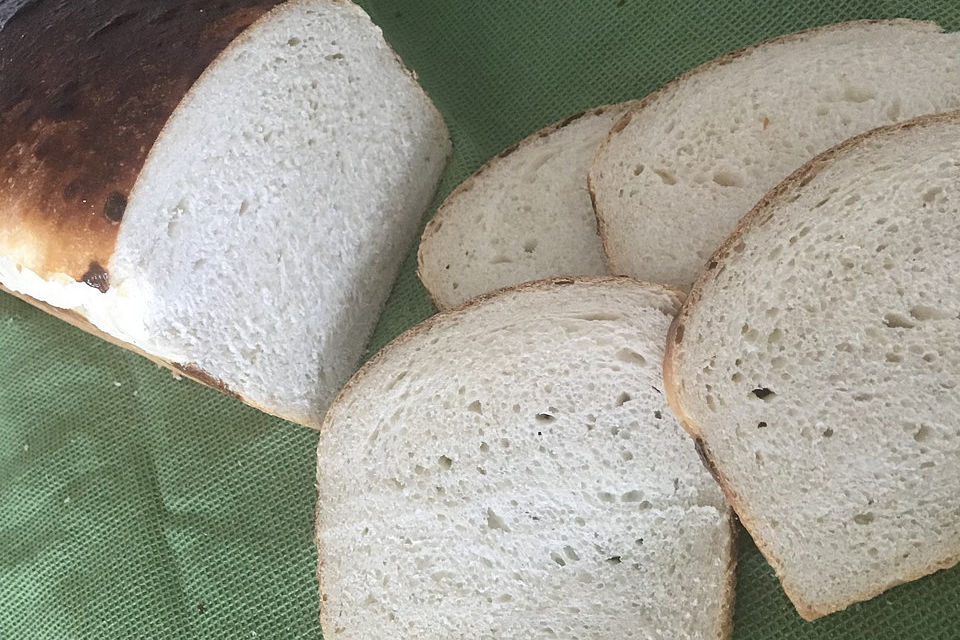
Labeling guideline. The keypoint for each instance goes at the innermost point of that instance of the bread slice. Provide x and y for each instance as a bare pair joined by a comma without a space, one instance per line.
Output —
817,362
690,160
511,470
525,215
246,231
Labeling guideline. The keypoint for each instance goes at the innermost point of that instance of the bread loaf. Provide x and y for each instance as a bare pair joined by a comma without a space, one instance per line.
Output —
226,187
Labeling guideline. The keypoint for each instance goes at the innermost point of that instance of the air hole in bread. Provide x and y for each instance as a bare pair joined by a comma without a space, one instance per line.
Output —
857,94
496,522
898,321
727,178
668,177
623,399
599,317
764,393
931,194
631,356
863,518
923,312
476,407
530,246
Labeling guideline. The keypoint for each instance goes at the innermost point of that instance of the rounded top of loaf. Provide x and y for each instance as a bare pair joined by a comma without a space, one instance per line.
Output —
86,87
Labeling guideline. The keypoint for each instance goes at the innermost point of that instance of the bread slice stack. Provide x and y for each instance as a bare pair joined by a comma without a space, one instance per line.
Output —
511,470
670,179
814,361
233,201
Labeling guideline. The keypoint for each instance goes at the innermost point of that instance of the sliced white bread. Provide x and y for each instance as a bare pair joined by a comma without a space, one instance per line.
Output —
253,247
511,470
817,360
525,215
690,160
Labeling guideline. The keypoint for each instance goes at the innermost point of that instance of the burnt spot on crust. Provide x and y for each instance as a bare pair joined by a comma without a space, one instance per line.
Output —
114,207
705,459
509,150
622,122
64,102
201,376
97,277
85,88
572,118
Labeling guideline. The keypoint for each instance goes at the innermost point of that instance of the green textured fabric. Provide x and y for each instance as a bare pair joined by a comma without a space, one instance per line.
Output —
133,505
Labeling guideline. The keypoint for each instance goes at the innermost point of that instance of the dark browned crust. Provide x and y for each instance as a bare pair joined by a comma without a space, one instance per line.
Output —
762,213
438,218
85,88
723,60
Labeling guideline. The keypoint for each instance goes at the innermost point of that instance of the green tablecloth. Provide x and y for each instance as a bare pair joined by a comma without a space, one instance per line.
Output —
133,505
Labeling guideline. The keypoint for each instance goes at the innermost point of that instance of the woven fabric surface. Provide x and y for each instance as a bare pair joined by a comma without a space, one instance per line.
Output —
134,505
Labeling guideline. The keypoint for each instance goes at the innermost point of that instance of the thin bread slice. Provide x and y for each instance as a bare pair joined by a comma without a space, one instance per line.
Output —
511,470
816,360
690,160
523,216
234,202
